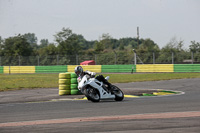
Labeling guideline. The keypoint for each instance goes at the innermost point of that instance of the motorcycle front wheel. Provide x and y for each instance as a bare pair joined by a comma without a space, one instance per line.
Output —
92,94
119,95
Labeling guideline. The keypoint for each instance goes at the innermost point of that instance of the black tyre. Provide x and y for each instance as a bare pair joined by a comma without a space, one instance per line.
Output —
119,95
93,94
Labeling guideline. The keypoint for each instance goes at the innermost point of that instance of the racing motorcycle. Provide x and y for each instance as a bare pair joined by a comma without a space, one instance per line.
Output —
96,90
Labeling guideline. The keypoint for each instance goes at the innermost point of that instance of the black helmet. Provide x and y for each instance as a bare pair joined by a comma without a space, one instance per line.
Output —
78,70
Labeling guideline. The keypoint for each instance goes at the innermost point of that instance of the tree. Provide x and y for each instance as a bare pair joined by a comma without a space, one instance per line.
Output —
68,42
31,39
173,49
13,50
195,46
106,40
1,46
51,49
48,55
150,44
146,49
133,43
44,43
99,47
63,35
121,47
17,46
175,45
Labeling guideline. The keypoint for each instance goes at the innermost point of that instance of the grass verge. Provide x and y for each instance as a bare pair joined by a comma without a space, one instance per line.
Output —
30,81
125,78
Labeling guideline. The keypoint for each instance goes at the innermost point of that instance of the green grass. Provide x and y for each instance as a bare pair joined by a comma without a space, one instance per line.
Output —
125,78
30,81
19,81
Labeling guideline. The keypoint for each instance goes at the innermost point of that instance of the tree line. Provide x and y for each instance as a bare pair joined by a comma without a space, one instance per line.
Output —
69,43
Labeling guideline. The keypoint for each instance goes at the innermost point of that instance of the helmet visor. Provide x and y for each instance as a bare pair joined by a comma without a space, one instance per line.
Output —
78,73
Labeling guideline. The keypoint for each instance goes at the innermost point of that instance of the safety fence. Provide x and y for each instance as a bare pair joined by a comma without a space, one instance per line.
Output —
103,68
110,58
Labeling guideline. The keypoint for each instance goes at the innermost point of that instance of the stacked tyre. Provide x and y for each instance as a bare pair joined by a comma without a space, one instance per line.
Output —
68,84
64,84
74,85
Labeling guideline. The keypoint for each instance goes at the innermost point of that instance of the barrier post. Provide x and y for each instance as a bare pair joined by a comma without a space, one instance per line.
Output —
192,57
95,56
19,59
38,60
76,59
132,69
57,59
135,57
115,57
9,69
153,58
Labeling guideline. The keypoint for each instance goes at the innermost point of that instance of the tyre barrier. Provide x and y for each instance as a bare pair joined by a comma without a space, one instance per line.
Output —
64,76
64,81
74,81
68,84
64,87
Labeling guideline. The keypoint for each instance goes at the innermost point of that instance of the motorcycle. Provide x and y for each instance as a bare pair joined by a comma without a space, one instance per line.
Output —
96,90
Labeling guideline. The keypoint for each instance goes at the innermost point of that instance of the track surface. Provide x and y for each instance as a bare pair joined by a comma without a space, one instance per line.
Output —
179,113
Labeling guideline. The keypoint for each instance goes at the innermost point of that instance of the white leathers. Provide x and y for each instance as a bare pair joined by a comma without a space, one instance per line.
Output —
88,74
92,74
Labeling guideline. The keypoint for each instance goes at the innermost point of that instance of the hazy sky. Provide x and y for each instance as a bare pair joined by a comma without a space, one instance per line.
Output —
159,20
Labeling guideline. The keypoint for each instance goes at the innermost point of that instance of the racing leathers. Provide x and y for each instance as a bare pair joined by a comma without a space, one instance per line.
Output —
92,75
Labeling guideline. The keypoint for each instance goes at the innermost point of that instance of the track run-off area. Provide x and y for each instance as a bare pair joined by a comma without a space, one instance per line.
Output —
170,113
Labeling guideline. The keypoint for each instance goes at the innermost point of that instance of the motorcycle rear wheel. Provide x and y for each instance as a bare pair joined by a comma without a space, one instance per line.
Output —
119,95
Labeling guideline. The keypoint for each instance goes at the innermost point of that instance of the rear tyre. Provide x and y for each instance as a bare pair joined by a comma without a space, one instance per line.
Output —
119,95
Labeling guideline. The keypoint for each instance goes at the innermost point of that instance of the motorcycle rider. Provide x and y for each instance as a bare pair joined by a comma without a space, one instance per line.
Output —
80,73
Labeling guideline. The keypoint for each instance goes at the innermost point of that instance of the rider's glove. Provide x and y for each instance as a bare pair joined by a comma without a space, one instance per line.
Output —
79,79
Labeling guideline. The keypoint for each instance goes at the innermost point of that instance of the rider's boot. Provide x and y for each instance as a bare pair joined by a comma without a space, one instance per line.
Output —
108,84
101,78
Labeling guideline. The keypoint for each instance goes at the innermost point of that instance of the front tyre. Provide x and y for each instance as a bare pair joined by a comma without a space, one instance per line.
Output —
93,95
119,95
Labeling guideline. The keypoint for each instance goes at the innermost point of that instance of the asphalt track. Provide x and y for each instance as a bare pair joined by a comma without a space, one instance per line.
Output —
161,114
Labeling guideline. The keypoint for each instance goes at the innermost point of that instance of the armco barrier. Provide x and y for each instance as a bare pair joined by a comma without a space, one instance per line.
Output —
118,68
155,68
92,68
103,68
50,69
186,67
1,69
19,69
